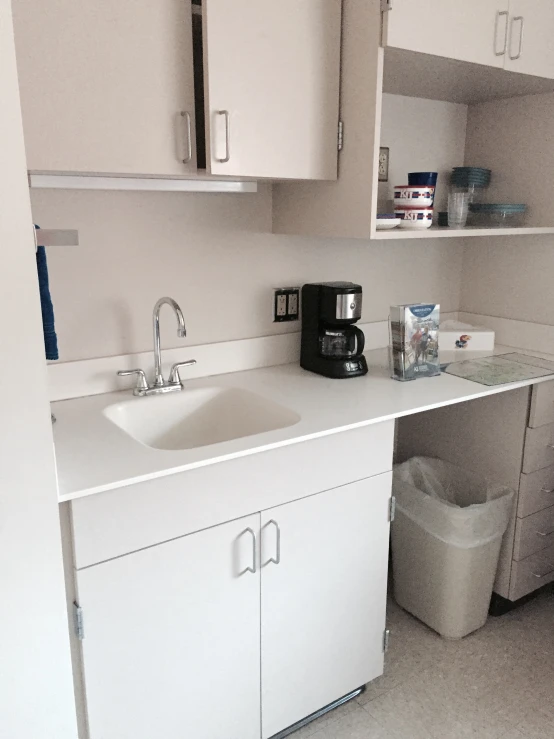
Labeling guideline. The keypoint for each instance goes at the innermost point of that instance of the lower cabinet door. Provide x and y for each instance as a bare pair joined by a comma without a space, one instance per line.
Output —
171,643
324,566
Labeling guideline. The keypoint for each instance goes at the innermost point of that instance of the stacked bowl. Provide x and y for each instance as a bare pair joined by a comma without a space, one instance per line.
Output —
413,203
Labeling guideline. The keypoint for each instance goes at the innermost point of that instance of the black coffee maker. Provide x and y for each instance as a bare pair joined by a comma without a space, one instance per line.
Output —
331,344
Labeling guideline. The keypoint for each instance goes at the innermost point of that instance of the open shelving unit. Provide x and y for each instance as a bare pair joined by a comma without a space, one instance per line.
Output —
436,232
432,114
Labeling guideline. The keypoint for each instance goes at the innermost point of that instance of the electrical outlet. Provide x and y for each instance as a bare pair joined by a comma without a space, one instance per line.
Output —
286,304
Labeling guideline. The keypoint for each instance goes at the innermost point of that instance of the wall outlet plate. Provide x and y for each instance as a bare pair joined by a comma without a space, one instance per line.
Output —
384,154
286,304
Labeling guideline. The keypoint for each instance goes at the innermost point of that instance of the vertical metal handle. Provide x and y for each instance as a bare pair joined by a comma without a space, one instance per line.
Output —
499,15
186,115
277,559
225,114
521,19
252,569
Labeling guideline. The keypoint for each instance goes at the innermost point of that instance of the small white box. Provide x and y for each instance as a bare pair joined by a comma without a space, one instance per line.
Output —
458,336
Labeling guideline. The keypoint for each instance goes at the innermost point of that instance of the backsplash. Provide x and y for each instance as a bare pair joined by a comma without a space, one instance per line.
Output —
213,254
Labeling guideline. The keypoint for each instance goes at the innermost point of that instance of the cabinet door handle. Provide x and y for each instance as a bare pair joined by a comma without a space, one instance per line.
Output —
499,15
547,490
225,114
277,559
546,574
253,568
545,533
186,115
521,20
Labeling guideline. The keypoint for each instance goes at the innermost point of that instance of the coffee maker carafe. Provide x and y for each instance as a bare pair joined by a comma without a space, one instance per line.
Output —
331,344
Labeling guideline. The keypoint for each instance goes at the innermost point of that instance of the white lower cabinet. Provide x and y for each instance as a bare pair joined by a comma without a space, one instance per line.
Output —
171,644
323,599
173,632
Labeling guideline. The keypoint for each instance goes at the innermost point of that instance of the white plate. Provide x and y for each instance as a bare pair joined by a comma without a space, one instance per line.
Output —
385,224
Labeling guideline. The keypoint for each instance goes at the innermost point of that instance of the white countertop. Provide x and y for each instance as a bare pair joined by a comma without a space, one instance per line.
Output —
94,455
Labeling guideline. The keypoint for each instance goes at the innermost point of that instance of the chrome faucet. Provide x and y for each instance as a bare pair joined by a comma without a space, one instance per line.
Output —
160,385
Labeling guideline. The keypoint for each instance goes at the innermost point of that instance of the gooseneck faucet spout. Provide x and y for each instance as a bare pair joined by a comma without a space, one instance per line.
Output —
181,332
159,385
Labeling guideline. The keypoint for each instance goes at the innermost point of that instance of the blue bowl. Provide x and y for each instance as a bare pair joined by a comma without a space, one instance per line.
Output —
422,179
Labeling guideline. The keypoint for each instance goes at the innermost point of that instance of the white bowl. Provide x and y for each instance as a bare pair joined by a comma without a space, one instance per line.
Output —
413,218
414,197
386,224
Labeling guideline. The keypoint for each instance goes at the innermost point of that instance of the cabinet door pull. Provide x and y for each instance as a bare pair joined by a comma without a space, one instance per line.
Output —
545,533
253,568
546,574
225,114
499,15
547,490
521,20
277,559
186,116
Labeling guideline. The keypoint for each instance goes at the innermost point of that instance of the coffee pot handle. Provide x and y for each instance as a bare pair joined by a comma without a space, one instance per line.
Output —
360,339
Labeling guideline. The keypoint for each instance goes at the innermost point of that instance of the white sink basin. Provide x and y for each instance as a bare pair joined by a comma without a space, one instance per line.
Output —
198,417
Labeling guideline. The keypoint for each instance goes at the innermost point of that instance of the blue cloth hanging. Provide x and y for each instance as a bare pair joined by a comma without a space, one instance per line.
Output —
47,308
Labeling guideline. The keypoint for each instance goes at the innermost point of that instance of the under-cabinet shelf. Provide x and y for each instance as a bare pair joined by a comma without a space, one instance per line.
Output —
205,183
451,233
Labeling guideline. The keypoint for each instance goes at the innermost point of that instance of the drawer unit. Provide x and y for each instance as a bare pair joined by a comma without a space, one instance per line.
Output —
542,405
536,492
534,533
121,521
539,448
532,573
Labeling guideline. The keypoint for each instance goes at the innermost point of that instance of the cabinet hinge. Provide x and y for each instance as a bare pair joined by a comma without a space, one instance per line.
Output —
78,622
340,138
392,509
386,640
386,5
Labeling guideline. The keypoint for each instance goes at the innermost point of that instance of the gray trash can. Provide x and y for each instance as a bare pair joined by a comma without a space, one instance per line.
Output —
446,540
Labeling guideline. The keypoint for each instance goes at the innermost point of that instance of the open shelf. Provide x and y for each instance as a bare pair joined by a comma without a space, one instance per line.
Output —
452,233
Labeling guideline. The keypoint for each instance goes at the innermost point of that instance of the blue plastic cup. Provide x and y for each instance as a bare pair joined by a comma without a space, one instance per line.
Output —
422,179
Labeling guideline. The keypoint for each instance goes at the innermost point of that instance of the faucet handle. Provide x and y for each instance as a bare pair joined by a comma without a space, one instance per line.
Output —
141,385
174,376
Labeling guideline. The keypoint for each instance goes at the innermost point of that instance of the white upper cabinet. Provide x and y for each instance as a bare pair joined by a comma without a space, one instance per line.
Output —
106,85
272,71
467,30
531,38
171,644
324,582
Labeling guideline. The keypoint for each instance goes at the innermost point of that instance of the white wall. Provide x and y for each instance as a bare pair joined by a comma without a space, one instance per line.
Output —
510,278
36,690
214,254
423,136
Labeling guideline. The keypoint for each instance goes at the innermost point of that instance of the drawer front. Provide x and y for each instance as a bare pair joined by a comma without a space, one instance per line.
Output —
539,448
121,521
536,492
542,405
532,573
534,533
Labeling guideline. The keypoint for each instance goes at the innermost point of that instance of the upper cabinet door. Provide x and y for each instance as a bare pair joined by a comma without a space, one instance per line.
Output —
324,589
107,85
272,71
468,30
171,648
531,38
